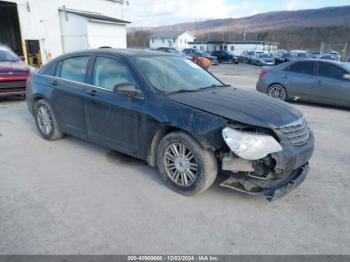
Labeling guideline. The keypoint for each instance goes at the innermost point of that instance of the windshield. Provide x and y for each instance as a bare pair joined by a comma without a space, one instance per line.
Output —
265,56
173,74
8,56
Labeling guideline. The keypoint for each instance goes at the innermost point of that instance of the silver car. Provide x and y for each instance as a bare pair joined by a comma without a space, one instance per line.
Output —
314,80
263,60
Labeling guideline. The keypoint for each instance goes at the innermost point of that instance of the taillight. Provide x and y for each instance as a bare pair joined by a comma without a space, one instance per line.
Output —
263,73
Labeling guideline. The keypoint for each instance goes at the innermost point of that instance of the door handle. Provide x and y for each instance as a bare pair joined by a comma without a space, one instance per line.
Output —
92,92
54,83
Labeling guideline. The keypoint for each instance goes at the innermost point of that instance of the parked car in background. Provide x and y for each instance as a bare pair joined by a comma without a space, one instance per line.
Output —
284,57
245,56
314,80
333,57
190,53
168,111
213,59
225,56
13,73
188,50
263,60
166,49
299,54
253,56
202,61
314,54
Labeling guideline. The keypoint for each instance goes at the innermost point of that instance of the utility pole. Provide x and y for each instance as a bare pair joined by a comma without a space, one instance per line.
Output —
322,48
345,50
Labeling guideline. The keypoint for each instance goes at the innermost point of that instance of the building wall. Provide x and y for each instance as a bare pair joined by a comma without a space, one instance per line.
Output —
39,20
238,49
183,40
206,47
158,42
179,43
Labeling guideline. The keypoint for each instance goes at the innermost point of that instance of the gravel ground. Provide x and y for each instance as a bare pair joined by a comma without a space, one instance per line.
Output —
74,197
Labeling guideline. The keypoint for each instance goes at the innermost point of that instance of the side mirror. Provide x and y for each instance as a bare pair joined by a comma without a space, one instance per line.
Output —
127,89
346,77
22,58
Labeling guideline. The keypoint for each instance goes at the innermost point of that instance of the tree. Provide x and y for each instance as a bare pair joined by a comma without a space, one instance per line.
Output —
262,36
138,39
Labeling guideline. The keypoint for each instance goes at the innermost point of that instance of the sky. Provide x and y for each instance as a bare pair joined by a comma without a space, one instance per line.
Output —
150,13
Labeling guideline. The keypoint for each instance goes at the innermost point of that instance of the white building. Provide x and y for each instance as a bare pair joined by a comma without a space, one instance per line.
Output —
176,39
236,47
43,29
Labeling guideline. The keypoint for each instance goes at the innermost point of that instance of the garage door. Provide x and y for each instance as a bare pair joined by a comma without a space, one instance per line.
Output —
106,34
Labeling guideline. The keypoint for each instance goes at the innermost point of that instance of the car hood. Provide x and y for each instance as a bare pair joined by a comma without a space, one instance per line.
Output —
241,106
13,67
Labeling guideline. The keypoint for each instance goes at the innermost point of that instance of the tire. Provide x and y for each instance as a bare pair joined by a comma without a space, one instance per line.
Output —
45,121
277,91
176,171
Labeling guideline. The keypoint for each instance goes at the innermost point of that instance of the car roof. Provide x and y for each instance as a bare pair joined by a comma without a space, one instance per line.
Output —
338,63
3,47
130,52
320,60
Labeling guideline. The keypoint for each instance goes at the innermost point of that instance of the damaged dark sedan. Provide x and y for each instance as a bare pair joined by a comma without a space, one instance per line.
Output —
170,112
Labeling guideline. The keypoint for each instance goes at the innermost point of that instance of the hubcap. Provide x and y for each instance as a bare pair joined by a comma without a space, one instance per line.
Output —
44,120
180,165
277,92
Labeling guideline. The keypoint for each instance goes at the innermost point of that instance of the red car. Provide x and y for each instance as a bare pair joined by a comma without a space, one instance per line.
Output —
13,73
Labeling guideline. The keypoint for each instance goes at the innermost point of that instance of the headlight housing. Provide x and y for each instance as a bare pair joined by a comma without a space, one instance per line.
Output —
248,145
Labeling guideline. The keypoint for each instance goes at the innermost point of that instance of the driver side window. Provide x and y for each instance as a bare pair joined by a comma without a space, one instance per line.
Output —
109,72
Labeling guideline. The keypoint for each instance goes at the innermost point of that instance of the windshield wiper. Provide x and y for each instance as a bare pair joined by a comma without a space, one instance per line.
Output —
213,86
183,91
196,90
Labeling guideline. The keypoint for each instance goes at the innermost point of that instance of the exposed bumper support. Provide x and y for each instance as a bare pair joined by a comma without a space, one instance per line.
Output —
270,191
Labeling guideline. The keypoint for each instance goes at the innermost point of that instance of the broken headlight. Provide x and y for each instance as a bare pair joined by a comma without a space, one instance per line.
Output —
249,145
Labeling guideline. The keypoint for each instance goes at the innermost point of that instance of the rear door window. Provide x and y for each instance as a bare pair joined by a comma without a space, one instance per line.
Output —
306,68
73,69
331,71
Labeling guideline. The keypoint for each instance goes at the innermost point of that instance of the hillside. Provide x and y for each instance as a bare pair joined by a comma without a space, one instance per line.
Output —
324,17
292,29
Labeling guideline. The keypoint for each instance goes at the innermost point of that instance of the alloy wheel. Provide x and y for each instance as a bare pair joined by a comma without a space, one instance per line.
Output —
278,92
45,121
180,165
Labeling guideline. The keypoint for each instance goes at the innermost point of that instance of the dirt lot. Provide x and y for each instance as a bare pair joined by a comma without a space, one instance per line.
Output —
70,197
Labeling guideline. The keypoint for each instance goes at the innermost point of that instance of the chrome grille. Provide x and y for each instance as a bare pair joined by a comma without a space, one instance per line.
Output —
297,133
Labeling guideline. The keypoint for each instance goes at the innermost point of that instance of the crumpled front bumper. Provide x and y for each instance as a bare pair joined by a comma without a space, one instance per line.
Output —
293,161
274,191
